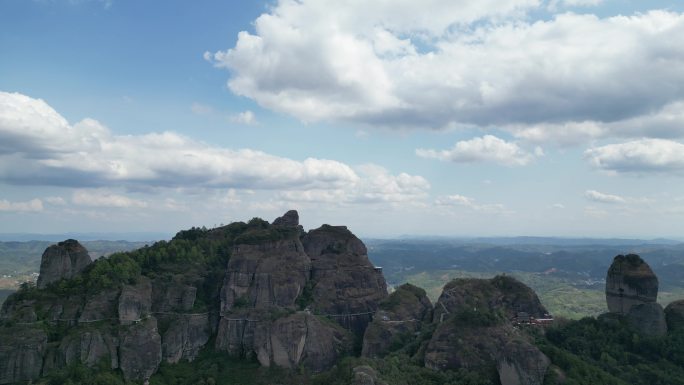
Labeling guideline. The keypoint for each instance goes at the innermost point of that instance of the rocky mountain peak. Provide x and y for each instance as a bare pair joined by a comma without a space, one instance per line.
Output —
630,282
62,261
290,219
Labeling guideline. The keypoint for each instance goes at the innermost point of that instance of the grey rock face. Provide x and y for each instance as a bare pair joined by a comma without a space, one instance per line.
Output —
21,354
173,296
272,273
648,318
399,315
630,282
135,301
88,347
290,219
63,260
522,364
101,306
288,341
140,350
185,337
674,314
346,284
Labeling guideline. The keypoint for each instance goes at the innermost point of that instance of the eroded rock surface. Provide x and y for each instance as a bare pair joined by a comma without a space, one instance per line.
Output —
185,337
21,353
135,301
630,282
345,283
398,318
140,350
62,261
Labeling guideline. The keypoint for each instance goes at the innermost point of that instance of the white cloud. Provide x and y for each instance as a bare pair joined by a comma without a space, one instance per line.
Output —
29,206
100,198
463,201
556,4
600,197
411,64
559,206
38,146
639,156
488,148
375,185
56,201
245,117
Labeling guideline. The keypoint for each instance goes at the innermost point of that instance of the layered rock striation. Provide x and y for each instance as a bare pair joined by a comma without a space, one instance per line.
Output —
294,299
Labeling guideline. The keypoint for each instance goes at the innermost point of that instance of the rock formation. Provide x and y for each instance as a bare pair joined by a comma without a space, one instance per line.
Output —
648,319
21,353
521,364
674,314
399,316
630,282
346,286
279,286
62,261
474,329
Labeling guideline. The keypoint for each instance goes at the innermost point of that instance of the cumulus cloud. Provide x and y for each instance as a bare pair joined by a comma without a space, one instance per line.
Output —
488,148
639,156
38,146
244,117
408,64
600,197
99,198
376,185
470,203
29,206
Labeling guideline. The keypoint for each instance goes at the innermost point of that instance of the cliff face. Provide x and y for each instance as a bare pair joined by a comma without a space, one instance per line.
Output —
62,261
281,284
399,316
346,286
630,282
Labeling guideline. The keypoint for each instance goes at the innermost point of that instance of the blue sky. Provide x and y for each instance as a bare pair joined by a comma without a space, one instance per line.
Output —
462,118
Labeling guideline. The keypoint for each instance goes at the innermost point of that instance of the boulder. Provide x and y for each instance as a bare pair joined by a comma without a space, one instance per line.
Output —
630,282
21,353
648,318
140,350
674,314
62,261
398,318
345,284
